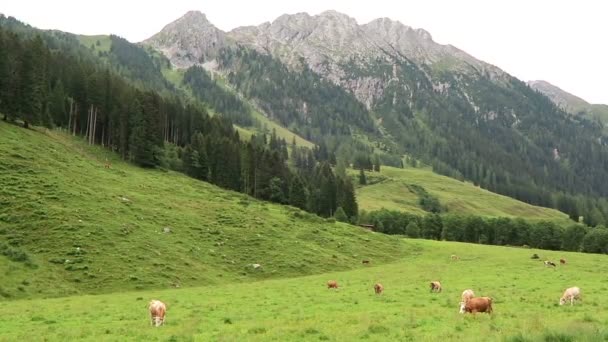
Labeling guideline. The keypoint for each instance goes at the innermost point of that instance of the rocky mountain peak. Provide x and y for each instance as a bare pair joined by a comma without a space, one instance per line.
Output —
560,97
189,40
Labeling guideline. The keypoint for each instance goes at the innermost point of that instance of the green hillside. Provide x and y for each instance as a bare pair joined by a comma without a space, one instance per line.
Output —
69,225
525,294
389,189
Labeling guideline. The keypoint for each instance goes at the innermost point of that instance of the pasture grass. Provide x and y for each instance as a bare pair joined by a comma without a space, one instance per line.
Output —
389,189
525,294
71,226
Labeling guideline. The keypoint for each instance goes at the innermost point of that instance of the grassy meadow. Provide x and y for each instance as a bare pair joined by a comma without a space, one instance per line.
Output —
68,225
389,189
525,293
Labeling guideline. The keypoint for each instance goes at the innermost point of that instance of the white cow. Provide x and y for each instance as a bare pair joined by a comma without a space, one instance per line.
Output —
570,294
157,312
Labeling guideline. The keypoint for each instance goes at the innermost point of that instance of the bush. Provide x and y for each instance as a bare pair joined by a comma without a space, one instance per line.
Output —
340,215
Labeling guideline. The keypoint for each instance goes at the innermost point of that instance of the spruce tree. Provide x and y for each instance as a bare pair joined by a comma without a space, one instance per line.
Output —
340,215
349,201
297,193
362,179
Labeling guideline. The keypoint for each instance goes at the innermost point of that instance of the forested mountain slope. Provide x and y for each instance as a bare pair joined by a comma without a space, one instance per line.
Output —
468,119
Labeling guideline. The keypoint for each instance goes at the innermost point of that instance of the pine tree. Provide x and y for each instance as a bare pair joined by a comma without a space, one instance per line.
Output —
326,183
349,201
362,179
297,193
276,190
58,103
340,215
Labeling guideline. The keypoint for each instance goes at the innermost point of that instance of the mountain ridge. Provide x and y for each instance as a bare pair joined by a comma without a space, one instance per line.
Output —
570,102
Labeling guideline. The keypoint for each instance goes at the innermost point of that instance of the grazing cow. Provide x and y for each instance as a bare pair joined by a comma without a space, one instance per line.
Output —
378,288
550,263
157,312
366,262
455,257
477,304
107,164
534,256
467,295
562,261
570,294
435,286
332,284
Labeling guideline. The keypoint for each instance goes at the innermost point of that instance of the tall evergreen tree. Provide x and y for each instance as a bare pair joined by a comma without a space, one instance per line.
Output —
362,179
297,193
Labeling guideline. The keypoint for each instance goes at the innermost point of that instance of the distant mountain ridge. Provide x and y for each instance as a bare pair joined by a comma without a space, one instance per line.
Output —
571,103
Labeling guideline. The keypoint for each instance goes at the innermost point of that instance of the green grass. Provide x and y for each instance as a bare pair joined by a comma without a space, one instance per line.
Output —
282,132
87,229
104,42
389,190
525,295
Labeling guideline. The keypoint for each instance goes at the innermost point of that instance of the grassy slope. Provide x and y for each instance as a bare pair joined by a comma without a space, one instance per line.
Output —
56,196
104,42
390,191
525,304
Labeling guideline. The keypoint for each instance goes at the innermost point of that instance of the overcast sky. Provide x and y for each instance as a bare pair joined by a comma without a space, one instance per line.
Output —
563,42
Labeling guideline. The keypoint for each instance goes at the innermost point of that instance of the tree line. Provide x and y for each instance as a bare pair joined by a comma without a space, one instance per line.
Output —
47,87
501,231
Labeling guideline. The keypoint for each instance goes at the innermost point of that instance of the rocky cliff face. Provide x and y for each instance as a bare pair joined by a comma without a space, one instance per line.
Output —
189,40
325,42
383,63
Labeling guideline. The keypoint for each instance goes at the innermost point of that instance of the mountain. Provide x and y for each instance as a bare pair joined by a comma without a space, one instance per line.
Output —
571,103
190,40
390,87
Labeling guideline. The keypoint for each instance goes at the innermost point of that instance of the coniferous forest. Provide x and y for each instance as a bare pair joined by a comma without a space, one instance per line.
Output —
42,86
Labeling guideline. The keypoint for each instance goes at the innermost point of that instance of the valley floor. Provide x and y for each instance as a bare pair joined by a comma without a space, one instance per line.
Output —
525,293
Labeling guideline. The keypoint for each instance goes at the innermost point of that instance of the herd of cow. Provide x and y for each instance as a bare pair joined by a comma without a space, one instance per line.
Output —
468,304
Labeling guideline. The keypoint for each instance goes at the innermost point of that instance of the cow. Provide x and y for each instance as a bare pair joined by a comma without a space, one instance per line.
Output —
570,294
378,288
455,257
365,262
467,295
477,304
332,284
550,263
435,286
157,312
562,261
107,164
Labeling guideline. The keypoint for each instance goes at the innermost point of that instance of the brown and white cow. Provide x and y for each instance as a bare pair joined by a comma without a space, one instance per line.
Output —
550,263
435,286
562,261
157,312
455,257
332,284
477,304
378,288
467,295
570,294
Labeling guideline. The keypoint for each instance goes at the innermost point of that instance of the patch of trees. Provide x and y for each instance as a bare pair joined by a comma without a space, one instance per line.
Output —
221,100
490,231
260,169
